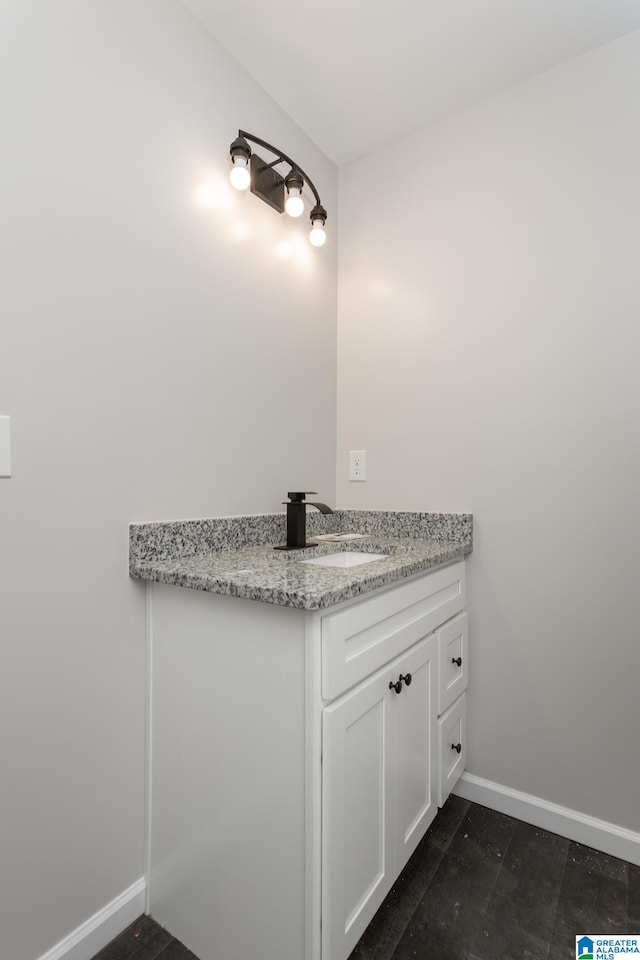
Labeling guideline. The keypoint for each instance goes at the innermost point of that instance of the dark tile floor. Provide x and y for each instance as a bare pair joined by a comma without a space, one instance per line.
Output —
480,886
145,940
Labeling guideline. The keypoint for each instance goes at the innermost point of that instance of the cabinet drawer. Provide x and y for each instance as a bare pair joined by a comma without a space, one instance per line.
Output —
452,733
360,639
453,648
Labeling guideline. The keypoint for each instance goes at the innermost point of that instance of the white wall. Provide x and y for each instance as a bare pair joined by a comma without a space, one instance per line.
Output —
160,358
489,335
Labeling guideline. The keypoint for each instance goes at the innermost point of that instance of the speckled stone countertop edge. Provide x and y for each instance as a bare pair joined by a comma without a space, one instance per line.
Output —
316,589
234,556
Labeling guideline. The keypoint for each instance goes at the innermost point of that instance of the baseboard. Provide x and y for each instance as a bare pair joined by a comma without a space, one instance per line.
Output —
607,837
95,933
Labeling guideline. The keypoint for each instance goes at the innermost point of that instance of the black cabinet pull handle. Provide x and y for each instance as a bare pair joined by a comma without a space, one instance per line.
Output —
397,686
457,747
457,660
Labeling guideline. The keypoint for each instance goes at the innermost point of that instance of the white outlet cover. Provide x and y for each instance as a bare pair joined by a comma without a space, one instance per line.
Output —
357,465
5,446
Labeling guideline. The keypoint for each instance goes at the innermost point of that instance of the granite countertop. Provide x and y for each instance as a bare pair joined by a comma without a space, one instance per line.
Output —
234,556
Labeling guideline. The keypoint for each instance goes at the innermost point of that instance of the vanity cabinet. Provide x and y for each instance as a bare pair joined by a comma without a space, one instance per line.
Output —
385,765
291,771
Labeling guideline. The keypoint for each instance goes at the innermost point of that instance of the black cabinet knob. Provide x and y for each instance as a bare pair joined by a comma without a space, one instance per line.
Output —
457,747
457,661
397,686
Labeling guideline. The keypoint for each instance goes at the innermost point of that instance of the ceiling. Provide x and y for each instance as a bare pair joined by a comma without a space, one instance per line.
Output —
358,74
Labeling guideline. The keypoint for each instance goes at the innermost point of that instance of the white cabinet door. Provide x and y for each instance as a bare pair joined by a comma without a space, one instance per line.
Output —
379,791
415,801
357,808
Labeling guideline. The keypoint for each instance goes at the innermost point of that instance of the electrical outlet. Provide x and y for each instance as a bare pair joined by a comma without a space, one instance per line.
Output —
357,464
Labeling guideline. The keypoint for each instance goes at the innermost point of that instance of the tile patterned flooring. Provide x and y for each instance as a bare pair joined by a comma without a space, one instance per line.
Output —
480,886
145,940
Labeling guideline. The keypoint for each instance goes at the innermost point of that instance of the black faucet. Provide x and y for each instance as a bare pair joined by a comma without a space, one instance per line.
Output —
296,520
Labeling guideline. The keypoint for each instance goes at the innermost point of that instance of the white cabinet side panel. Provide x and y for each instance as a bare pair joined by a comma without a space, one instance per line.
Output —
227,833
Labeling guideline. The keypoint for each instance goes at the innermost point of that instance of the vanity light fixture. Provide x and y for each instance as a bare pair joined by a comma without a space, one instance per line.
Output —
283,193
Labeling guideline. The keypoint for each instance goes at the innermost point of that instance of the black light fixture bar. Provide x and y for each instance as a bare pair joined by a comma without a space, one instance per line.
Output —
282,158
269,185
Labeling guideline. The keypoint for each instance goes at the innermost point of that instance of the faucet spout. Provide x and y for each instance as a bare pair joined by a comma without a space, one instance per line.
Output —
322,507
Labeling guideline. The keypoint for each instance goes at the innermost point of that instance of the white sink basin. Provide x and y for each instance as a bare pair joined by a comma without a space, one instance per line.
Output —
347,558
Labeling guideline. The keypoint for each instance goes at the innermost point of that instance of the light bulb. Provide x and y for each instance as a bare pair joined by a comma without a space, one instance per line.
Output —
295,204
294,184
317,237
239,173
